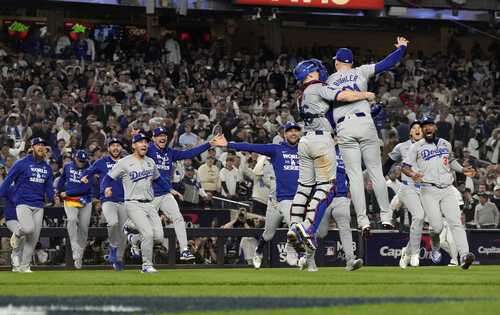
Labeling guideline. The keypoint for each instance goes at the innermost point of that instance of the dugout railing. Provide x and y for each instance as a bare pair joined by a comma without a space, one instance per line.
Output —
382,248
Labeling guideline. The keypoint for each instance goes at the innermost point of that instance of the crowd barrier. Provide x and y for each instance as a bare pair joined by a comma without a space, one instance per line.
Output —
382,248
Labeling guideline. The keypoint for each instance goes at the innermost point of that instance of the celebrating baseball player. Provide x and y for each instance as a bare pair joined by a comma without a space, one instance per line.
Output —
336,206
77,197
164,201
430,163
32,180
137,172
357,133
285,162
409,195
112,207
315,149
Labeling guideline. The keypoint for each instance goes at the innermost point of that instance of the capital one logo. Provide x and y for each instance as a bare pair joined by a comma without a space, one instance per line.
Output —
386,251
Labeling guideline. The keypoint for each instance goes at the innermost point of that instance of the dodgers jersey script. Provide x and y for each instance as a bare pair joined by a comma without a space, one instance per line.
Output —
432,160
355,79
137,176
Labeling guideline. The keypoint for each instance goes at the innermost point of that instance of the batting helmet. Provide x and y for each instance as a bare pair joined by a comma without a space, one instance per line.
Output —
305,67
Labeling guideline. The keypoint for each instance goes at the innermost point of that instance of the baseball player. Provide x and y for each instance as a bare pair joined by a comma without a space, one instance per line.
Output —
163,157
430,163
357,133
113,207
32,180
77,197
336,206
285,163
446,240
137,173
315,149
409,195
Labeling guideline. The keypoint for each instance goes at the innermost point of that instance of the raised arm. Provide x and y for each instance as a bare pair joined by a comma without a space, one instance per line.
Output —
265,149
393,58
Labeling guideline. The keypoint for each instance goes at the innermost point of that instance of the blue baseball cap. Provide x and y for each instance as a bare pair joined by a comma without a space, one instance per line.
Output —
139,137
114,140
38,140
158,131
344,55
81,155
291,125
427,120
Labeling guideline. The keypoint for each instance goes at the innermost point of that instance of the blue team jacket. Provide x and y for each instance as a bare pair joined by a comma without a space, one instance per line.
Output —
101,168
164,159
32,180
285,163
70,182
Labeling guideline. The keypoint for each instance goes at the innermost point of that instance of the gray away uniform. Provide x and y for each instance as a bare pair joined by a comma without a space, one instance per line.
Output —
358,140
137,176
435,161
409,194
316,151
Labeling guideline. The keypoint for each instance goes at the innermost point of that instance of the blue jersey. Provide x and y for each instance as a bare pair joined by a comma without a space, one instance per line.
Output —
101,168
164,159
70,182
285,163
33,181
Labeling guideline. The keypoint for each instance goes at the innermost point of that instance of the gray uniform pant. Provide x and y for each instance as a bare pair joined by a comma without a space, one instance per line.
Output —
30,223
147,222
410,197
339,209
168,205
439,202
115,215
276,213
14,227
317,171
78,220
358,141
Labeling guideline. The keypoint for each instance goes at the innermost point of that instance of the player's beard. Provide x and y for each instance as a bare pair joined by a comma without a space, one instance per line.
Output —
114,155
39,154
430,137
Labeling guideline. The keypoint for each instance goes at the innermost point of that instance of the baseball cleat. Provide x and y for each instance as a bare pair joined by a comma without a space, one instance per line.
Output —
453,262
414,260
135,251
257,260
404,261
292,256
15,241
148,269
78,263
366,231
467,260
24,269
354,264
436,256
118,266
309,240
15,260
186,255
293,235
307,261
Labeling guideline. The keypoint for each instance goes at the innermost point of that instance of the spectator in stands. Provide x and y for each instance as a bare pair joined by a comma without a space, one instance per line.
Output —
486,215
496,196
192,188
208,175
468,208
229,178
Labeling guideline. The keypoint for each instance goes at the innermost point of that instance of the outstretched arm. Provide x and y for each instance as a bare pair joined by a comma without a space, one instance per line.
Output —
393,58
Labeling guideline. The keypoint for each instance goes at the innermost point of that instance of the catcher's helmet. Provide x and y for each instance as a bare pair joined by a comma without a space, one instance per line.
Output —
308,66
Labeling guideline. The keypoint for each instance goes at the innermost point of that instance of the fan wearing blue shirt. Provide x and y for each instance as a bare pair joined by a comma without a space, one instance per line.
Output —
32,180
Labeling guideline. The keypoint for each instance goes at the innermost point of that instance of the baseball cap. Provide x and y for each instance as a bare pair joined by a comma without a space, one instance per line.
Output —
427,120
139,137
291,125
344,55
158,131
114,140
81,155
38,140
416,122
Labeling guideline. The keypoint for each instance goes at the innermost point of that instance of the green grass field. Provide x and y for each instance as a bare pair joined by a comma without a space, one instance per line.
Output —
475,291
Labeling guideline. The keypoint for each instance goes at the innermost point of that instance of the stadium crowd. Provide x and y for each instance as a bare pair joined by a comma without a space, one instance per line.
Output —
79,94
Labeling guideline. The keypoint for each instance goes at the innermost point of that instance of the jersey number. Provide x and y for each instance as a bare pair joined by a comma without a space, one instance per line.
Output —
354,87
